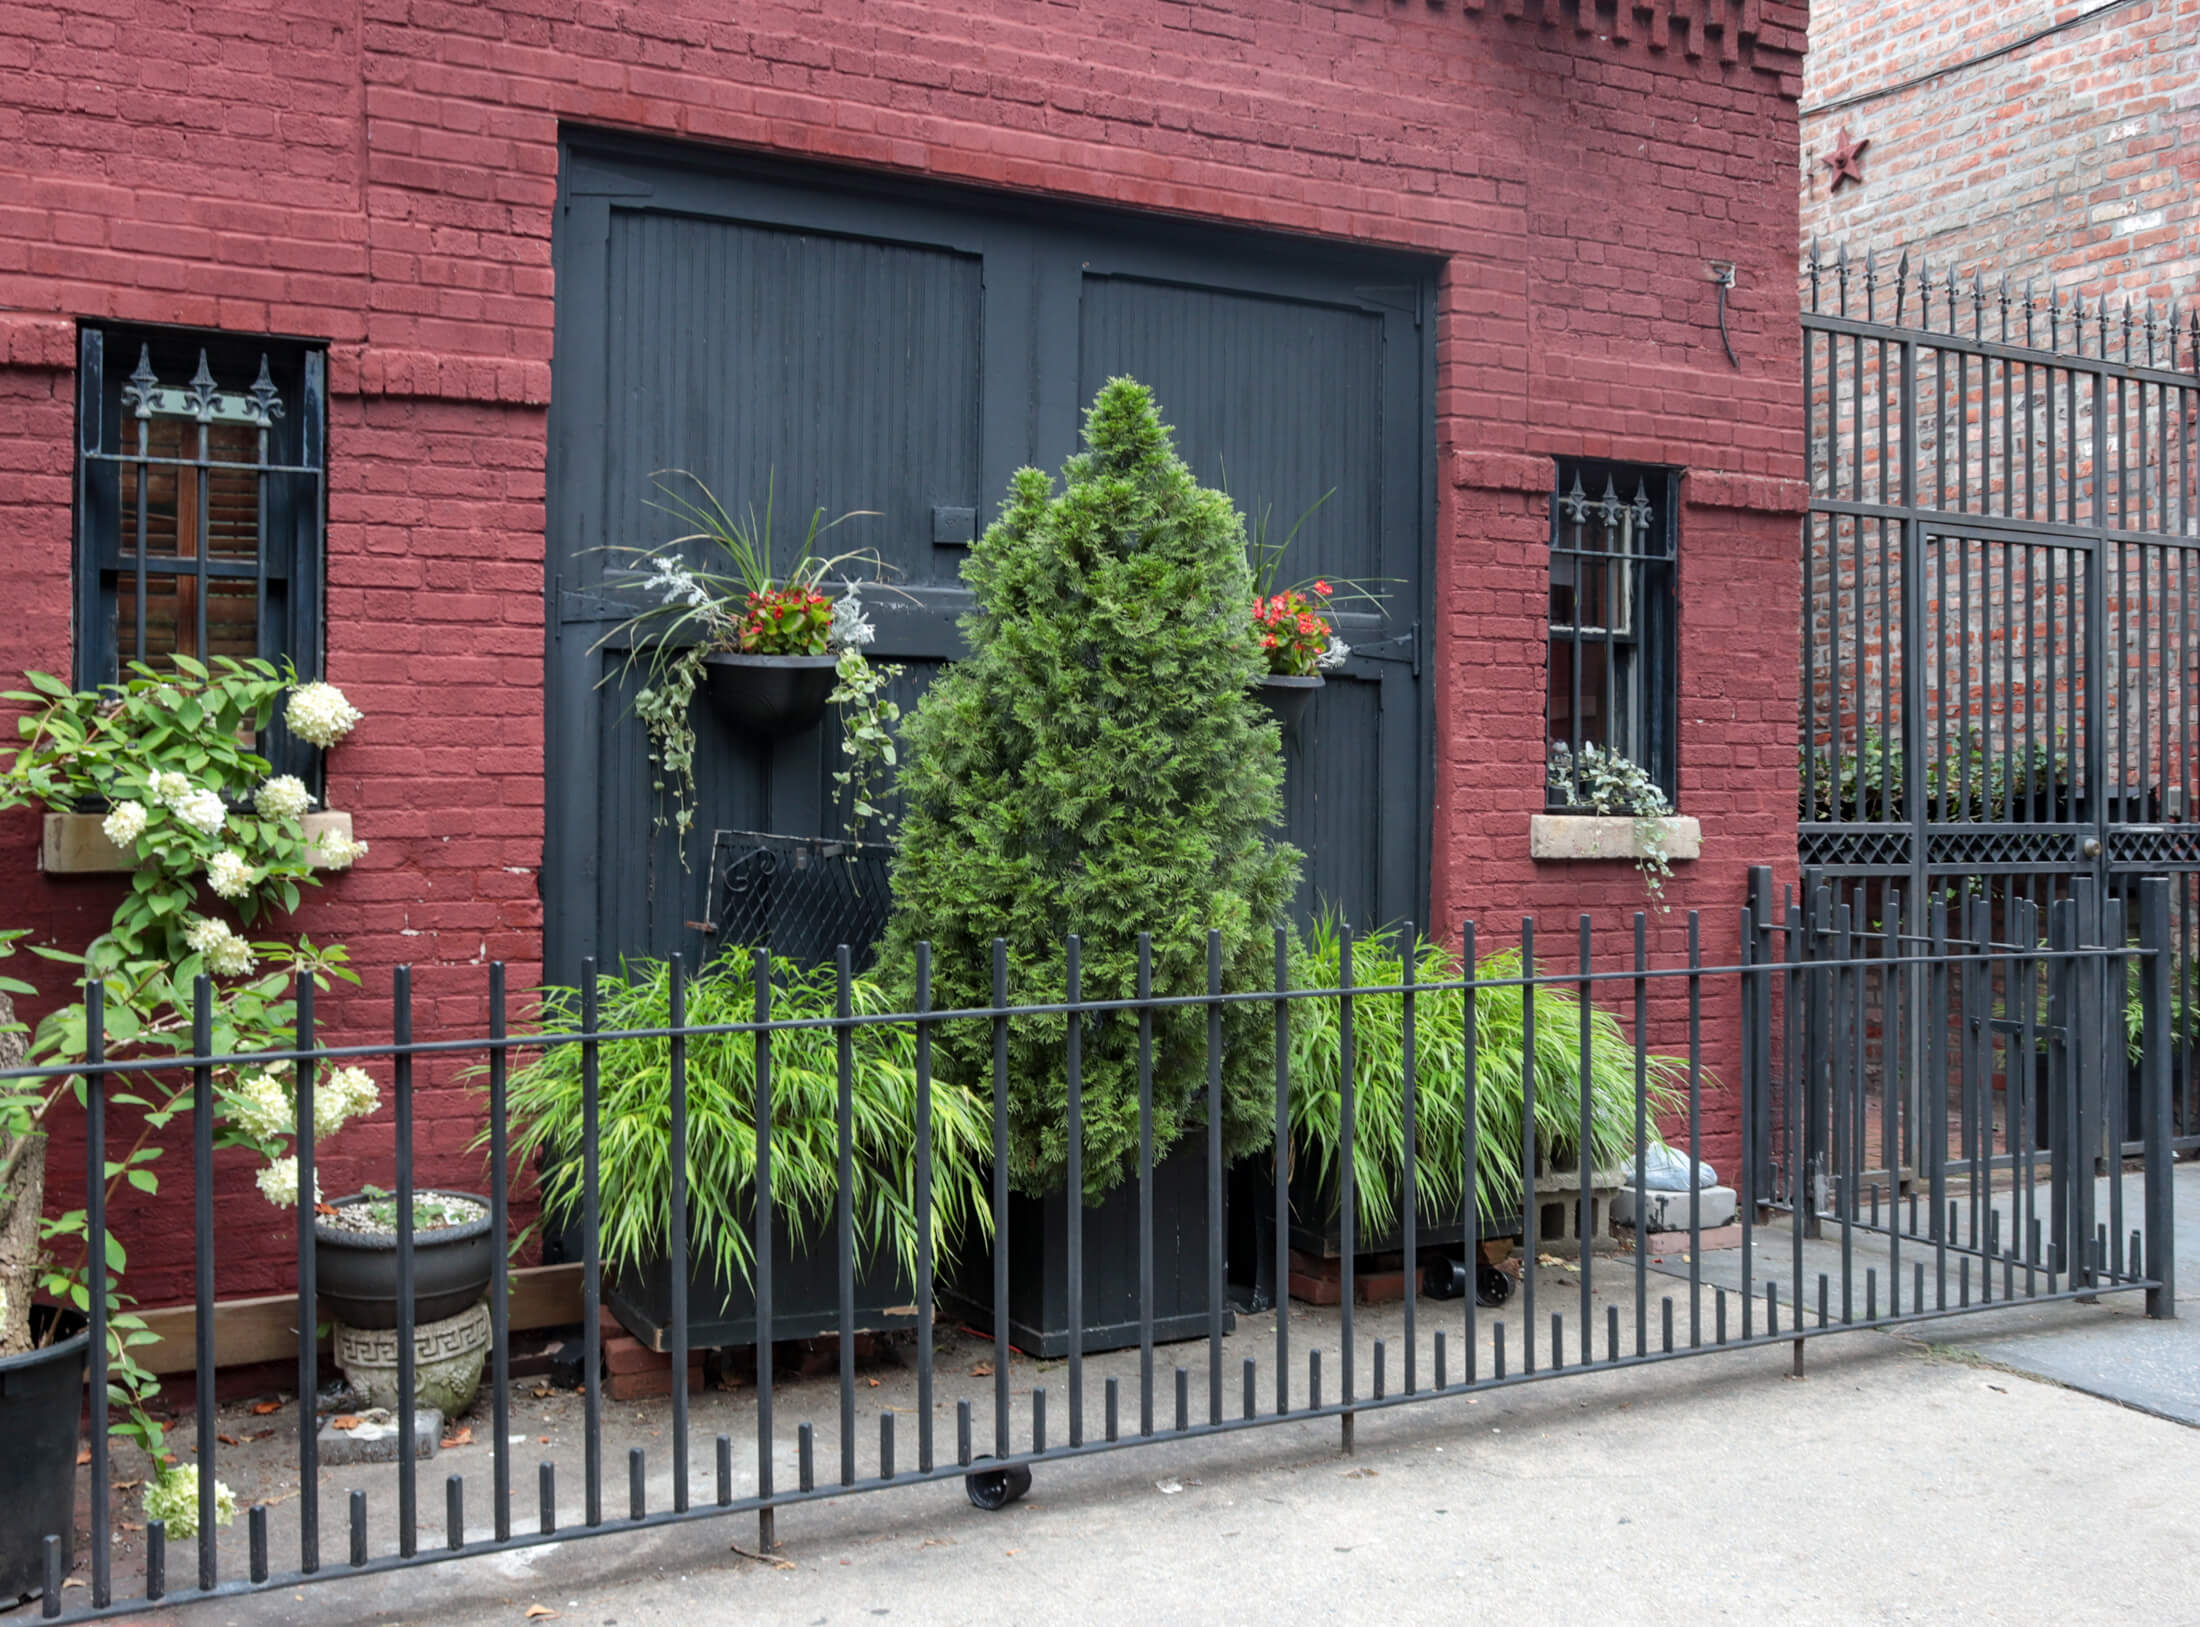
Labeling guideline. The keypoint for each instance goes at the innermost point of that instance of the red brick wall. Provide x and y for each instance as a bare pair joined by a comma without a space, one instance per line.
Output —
2074,158
383,176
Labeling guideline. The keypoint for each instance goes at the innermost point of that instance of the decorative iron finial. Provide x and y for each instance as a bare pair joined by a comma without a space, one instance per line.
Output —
137,395
202,390
1871,285
266,405
1924,293
2005,307
1642,508
2028,310
1901,285
1612,509
2150,332
1576,502
2127,330
1978,304
1814,266
1841,278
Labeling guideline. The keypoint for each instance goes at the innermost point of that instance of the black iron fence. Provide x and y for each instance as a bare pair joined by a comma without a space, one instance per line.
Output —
1998,1182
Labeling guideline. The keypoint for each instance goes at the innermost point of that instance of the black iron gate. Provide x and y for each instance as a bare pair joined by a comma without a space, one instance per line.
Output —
2001,599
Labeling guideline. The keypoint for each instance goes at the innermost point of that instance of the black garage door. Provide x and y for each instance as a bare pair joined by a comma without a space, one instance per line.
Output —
873,344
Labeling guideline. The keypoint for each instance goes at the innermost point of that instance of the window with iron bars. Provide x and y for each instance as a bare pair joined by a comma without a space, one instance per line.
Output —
1613,676
200,503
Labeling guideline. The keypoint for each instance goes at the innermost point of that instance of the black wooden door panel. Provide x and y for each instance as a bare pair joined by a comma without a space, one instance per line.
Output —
862,344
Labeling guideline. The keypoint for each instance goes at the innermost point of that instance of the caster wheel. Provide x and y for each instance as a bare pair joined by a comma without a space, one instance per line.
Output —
995,1489
1491,1286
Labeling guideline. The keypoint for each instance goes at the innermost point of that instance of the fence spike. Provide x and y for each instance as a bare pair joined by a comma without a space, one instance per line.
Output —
1901,284
2127,330
2150,332
1841,277
2005,307
1924,293
1978,303
1814,259
2027,310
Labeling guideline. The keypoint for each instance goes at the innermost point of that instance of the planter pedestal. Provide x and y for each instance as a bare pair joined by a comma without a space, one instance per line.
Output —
447,1361
1038,1264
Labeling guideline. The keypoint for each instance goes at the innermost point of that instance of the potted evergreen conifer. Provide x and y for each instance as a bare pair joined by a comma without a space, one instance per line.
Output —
1092,769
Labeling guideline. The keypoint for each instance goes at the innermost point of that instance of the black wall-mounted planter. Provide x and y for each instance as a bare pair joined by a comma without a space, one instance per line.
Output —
1038,1264
1288,697
768,697
41,1399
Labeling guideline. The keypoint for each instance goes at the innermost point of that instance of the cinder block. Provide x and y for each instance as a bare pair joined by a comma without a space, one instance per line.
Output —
1668,1211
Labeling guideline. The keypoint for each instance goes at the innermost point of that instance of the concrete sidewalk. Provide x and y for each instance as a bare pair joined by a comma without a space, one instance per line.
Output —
1892,1484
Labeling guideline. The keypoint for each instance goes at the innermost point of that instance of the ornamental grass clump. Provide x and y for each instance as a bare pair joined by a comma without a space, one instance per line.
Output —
634,1138
1439,1053
1093,768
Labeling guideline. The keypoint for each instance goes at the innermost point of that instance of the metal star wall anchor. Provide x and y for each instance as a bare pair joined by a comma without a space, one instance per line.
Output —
1847,160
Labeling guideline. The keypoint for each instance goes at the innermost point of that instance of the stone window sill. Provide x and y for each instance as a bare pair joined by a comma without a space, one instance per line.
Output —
74,845
1573,837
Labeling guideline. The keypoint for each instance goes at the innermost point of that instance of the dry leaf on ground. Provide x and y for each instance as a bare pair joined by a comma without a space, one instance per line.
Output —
984,1369
344,1421
540,1612
229,1440
260,1409
462,1436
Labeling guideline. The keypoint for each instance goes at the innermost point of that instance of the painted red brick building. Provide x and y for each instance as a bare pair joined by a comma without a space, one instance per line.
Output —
1517,208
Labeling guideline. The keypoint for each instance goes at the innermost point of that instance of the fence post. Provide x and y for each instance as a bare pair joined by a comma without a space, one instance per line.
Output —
1757,1043
2154,1001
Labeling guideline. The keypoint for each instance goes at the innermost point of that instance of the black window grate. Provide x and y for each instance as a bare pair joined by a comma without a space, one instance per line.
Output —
1611,625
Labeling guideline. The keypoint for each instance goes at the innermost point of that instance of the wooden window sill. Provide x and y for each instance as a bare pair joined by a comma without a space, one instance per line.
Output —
74,844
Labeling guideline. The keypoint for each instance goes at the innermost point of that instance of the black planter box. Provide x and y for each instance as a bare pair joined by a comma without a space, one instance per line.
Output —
805,1295
1317,1224
1038,1264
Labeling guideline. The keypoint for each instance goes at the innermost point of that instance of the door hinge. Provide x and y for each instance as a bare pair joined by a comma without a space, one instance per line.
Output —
1406,647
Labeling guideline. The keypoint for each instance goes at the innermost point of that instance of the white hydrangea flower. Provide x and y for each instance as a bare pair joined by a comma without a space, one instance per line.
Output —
347,1093
172,1497
260,1106
126,824
229,876
227,955
202,810
279,1183
333,850
319,715
170,788
283,797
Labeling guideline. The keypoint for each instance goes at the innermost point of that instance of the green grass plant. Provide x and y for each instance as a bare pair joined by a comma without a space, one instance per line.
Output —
635,1119
1440,1028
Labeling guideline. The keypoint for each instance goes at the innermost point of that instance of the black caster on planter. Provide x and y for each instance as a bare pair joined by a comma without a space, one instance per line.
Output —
1448,1280
994,1489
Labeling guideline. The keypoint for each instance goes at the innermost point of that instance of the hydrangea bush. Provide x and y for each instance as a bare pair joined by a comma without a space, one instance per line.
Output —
218,845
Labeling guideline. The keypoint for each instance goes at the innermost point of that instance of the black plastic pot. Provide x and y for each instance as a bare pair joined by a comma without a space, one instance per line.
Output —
1288,697
768,696
1038,1264
41,1400
355,1273
1317,1226
805,1294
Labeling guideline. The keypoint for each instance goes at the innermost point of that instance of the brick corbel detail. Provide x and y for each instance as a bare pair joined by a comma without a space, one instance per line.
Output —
1501,471
364,370
1760,494
43,343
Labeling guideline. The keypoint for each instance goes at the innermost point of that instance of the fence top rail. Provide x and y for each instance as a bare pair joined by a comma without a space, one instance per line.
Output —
1864,287
1939,953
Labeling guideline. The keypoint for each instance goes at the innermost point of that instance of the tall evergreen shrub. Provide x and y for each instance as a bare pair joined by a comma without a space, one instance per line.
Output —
1095,766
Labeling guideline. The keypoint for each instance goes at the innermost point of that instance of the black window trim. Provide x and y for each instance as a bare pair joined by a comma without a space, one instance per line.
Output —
293,540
